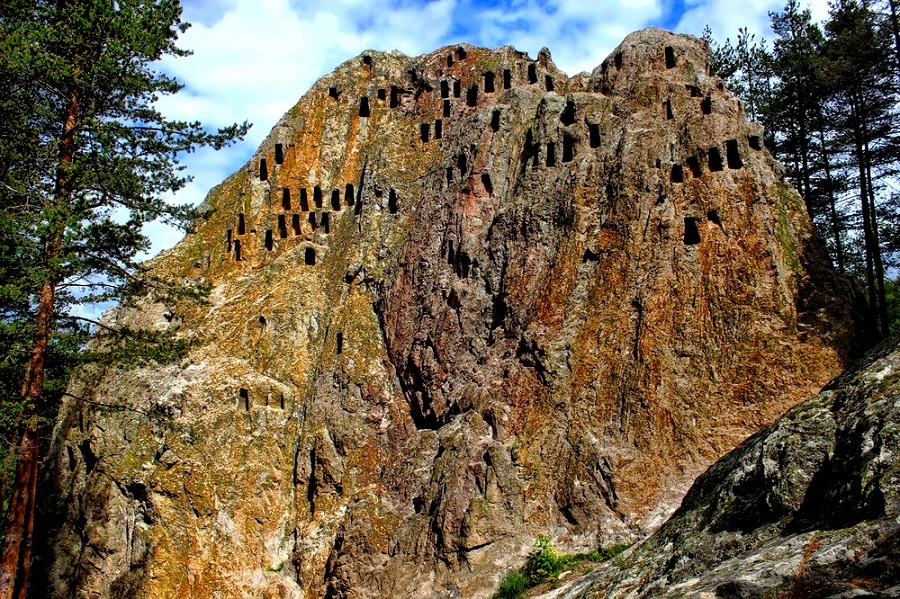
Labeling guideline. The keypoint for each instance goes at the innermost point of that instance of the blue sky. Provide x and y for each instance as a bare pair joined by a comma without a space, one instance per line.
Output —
253,59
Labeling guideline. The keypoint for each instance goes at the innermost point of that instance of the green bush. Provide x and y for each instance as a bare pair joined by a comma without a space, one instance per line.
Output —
514,583
544,562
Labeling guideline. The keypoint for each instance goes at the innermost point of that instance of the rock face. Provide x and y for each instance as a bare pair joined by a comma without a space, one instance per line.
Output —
809,507
457,301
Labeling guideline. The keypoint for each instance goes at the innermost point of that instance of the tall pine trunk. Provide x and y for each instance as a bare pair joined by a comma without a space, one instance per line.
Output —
836,228
15,562
876,257
866,215
895,31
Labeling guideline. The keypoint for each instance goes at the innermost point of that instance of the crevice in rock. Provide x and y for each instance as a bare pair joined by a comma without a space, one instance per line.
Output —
317,196
395,97
568,148
693,166
691,232
304,200
594,133
732,155
567,116
87,454
392,202
670,57
489,82
486,182
349,198
714,159
472,96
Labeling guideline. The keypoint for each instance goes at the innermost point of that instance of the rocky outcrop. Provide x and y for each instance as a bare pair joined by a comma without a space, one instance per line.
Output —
809,507
457,301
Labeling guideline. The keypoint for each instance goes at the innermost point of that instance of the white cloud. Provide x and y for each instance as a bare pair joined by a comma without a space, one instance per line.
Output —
253,59
724,18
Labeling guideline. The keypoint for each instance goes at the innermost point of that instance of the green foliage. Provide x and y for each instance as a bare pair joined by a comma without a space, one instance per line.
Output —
513,584
892,292
745,67
545,562
85,160
829,97
611,552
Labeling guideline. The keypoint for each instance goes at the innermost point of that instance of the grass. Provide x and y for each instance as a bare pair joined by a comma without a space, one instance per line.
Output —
513,584
545,564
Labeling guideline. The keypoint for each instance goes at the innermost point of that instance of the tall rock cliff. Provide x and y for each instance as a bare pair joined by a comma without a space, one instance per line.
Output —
457,300
808,507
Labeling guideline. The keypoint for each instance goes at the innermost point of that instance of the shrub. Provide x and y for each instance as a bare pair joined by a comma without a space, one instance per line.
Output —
514,583
544,562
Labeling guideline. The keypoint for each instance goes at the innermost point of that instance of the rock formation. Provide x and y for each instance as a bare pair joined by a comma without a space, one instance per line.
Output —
809,507
457,301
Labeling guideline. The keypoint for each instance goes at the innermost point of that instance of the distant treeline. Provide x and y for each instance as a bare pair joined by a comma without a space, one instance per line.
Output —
829,97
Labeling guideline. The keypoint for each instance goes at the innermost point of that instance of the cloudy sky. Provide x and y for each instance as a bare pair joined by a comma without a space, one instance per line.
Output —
253,59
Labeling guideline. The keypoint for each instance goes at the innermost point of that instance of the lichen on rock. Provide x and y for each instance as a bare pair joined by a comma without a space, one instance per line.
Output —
808,507
458,300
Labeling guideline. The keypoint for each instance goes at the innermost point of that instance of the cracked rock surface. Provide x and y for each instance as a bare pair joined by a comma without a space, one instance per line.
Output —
457,301
808,507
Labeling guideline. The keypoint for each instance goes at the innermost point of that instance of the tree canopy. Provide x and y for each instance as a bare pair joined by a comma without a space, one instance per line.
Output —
829,97
85,160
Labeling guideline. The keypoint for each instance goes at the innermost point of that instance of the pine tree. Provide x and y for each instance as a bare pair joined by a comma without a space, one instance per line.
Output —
832,116
85,160
797,118
745,67
859,64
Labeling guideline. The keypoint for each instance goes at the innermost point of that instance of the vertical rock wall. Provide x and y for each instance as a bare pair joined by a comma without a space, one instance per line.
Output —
457,300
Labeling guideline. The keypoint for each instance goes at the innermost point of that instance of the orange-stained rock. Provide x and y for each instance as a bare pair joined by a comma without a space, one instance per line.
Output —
548,320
